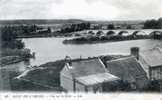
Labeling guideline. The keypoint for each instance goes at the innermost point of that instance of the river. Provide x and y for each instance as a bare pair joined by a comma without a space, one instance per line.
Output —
51,49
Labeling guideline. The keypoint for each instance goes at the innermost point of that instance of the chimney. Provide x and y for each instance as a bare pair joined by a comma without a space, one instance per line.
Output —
135,52
68,60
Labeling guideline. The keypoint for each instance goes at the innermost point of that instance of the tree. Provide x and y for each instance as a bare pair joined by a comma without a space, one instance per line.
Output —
88,25
160,23
153,24
111,26
49,30
76,27
8,34
150,24
129,27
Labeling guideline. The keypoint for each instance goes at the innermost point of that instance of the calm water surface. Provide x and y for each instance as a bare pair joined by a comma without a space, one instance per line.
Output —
51,49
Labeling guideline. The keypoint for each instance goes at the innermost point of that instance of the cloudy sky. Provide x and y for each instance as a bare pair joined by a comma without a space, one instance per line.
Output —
81,9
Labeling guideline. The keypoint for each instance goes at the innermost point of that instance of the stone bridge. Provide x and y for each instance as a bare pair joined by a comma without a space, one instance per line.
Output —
129,32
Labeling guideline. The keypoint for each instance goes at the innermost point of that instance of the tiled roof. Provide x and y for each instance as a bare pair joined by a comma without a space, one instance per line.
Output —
97,78
87,67
152,57
126,68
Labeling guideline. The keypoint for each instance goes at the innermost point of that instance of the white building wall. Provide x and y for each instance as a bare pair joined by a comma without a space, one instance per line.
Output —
90,89
141,82
66,82
80,87
155,72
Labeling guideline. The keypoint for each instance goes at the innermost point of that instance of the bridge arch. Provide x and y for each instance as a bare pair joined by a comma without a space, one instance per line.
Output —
99,33
91,32
123,32
110,33
139,33
156,34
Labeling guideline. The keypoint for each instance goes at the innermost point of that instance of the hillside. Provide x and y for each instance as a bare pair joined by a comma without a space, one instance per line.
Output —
64,21
40,21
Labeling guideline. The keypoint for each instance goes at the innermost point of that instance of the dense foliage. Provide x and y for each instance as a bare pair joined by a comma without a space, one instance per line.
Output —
111,26
153,24
8,38
11,46
11,32
75,27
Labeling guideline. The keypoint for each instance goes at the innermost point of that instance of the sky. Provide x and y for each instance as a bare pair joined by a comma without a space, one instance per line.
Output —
81,9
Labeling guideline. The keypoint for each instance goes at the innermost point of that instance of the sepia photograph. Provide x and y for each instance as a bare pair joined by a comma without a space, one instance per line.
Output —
81,46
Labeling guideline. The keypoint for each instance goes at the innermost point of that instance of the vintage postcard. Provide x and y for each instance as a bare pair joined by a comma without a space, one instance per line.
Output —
80,49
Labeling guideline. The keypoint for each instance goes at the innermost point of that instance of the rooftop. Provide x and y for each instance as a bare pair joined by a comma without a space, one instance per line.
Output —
126,68
87,67
153,57
90,72
97,78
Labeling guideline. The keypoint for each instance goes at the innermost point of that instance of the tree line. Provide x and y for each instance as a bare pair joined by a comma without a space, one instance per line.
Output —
9,35
23,30
75,27
153,24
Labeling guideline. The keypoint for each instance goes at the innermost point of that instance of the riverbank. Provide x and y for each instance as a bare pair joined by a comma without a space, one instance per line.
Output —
95,39
9,60
47,76
33,36
11,56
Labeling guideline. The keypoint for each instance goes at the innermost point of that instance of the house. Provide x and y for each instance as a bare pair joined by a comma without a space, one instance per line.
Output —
152,62
91,75
129,70
138,68
85,76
